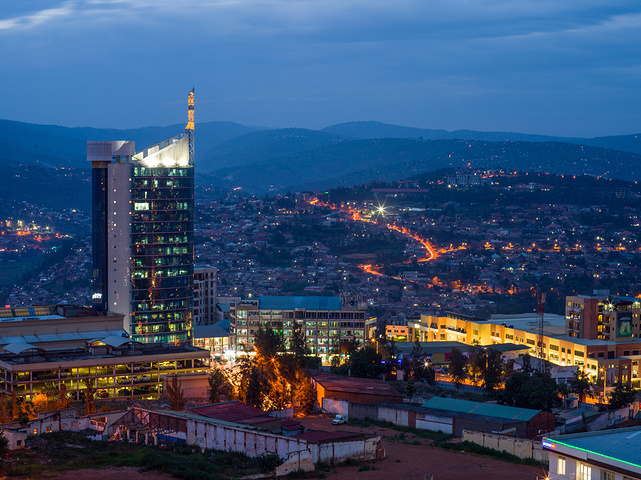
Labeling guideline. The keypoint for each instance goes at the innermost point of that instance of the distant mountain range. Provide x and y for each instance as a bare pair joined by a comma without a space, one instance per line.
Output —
264,160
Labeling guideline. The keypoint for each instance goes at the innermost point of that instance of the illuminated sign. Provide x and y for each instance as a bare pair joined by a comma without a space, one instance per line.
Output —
96,296
547,444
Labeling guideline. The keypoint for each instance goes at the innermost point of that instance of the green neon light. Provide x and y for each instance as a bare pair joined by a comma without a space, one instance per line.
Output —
595,453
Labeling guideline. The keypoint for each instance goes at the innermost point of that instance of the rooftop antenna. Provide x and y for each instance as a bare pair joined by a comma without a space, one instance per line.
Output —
190,125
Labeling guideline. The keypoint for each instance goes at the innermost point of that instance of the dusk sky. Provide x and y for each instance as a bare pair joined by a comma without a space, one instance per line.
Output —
570,67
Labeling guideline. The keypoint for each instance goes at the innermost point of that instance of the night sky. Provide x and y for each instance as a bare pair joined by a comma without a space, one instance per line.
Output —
569,67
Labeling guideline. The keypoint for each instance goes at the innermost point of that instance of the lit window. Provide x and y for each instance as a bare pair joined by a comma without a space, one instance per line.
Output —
560,466
585,472
141,206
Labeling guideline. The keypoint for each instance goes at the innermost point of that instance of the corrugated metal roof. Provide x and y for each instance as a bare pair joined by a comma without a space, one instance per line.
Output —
115,341
623,444
477,408
294,302
364,386
220,329
61,337
19,347
31,317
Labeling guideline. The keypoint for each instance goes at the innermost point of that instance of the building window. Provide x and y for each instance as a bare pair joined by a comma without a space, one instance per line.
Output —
560,466
584,472
605,475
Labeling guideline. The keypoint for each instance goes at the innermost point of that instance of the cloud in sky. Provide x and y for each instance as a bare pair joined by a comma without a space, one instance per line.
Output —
540,66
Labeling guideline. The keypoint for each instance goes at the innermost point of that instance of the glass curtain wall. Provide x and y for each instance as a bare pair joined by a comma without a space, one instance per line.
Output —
162,253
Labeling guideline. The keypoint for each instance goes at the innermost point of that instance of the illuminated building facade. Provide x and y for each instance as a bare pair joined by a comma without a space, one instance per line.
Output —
619,361
205,283
327,322
143,227
603,317
44,348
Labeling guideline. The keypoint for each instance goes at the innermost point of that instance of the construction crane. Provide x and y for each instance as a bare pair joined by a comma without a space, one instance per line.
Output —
190,125
539,337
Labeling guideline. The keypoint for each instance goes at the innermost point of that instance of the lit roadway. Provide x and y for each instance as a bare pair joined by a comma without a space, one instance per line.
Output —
356,216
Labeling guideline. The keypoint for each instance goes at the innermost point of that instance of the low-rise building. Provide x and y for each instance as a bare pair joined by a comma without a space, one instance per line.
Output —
214,338
358,390
117,367
604,455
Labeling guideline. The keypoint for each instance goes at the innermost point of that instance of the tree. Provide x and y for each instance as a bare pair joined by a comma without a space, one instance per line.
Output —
414,366
268,343
580,384
305,394
533,390
63,397
90,395
218,384
40,402
410,388
390,355
486,365
298,345
365,363
15,406
5,409
458,366
175,394
622,395
4,446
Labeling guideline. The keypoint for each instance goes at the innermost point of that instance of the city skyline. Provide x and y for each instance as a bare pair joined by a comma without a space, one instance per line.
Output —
535,67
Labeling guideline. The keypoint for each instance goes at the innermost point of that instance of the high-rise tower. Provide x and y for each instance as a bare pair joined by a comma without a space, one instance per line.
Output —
143,228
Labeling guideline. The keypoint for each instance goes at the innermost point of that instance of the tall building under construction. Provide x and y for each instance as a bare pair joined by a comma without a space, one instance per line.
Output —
143,229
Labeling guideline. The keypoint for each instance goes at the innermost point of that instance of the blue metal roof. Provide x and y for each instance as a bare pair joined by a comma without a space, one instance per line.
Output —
477,408
220,329
292,303
623,445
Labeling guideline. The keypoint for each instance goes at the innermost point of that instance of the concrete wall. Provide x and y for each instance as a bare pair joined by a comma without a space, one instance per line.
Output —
608,419
14,438
250,442
341,451
520,447
434,423
331,405
395,416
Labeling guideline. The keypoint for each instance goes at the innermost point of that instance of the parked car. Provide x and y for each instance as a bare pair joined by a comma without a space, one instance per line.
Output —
340,418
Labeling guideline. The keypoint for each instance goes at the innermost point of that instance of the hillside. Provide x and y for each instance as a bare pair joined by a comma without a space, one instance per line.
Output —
263,145
370,130
53,145
353,162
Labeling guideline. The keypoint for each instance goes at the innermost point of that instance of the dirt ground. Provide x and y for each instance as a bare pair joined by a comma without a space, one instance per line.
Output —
120,473
412,462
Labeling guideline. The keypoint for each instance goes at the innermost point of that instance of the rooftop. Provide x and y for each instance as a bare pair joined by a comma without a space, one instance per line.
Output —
529,322
234,411
621,445
477,408
365,386
294,302
220,329
78,354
